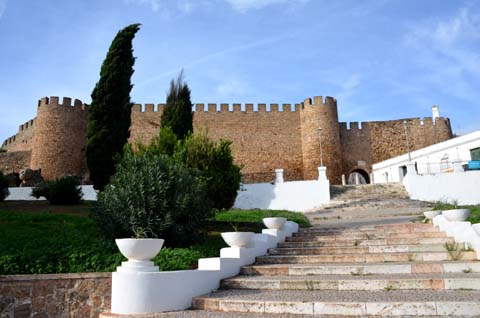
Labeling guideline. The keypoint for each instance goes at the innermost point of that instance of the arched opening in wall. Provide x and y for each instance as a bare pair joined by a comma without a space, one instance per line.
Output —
358,176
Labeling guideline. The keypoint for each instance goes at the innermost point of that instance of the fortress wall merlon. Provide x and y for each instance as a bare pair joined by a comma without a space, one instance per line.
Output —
237,108
308,101
287,107
249,108
262,108
149,108
224,107
137,108
330,102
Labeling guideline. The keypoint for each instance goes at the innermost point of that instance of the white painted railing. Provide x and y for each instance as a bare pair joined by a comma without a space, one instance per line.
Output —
153,292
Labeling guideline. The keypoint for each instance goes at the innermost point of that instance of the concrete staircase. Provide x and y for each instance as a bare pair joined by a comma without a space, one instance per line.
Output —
363,203
392,270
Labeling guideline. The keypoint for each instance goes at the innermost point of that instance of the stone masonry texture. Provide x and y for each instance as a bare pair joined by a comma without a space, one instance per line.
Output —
55,295
265,137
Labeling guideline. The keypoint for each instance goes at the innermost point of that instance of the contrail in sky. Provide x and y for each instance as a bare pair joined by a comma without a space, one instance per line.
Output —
213,55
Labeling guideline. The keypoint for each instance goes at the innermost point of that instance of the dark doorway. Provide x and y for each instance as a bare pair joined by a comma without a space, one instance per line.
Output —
360,175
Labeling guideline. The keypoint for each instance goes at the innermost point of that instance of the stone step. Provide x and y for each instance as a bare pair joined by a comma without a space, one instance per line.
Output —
311,238
363,269
344,303
470,281
401,228
365,258
357,249
388,242
220,314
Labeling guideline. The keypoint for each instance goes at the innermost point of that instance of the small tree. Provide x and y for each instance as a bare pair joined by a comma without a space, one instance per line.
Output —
178,113
215,162
109,113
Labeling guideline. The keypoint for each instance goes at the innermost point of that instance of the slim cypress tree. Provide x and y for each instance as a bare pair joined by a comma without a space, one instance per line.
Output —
109,113
178,110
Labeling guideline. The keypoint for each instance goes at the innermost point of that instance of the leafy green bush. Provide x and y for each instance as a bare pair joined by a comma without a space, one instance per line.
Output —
215,161
63,191
157,193
3,187
162,144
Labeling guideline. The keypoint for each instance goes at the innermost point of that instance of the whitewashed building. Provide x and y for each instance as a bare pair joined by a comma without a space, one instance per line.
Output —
443,157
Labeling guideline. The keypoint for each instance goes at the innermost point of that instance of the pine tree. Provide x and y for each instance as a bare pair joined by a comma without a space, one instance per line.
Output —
178,110
109,113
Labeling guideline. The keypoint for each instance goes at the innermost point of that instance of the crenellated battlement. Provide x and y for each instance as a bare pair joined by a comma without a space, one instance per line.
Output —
224,108
320,101
54,101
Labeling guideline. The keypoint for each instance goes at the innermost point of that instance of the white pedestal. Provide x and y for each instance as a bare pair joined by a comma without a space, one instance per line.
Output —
322,173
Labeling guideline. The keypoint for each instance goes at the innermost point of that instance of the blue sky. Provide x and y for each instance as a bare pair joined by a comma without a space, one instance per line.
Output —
382,59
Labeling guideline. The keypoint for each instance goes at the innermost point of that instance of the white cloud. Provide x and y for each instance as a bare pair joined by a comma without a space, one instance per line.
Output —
446,52
231,89
166,7
349,87
243,6
3,7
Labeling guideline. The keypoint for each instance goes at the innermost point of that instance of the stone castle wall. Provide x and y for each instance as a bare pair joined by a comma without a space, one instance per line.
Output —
265,137
21,141
60,138
370,142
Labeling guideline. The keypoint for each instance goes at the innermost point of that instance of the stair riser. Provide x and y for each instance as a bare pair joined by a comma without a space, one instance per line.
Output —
312,238
460,267
365,258
366,231
353,243
439,308
356,250
364,284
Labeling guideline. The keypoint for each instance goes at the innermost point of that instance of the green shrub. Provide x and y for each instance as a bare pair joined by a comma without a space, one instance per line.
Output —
215,161
157,193
62,191
162,144
3,187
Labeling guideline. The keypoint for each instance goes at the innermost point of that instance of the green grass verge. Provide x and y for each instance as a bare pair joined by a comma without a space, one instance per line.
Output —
475,209
52,242
235,215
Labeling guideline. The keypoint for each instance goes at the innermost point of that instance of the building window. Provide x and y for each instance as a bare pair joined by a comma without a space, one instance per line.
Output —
475,153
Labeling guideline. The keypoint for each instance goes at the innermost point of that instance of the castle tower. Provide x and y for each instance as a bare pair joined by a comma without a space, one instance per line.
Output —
60,138
324,115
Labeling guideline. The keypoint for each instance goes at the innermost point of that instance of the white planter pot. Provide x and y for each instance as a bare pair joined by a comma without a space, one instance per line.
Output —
274,223
237,239
139,250
431,214
457,215
476,228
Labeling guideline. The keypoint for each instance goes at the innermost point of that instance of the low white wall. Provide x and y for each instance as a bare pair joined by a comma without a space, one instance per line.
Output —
462,187
462,232
297,196
23,194
154,292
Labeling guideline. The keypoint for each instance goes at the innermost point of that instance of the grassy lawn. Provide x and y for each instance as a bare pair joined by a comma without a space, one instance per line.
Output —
475,209
38,238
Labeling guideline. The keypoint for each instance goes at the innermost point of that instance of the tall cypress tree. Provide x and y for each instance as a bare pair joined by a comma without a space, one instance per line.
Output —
178,110
109,113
